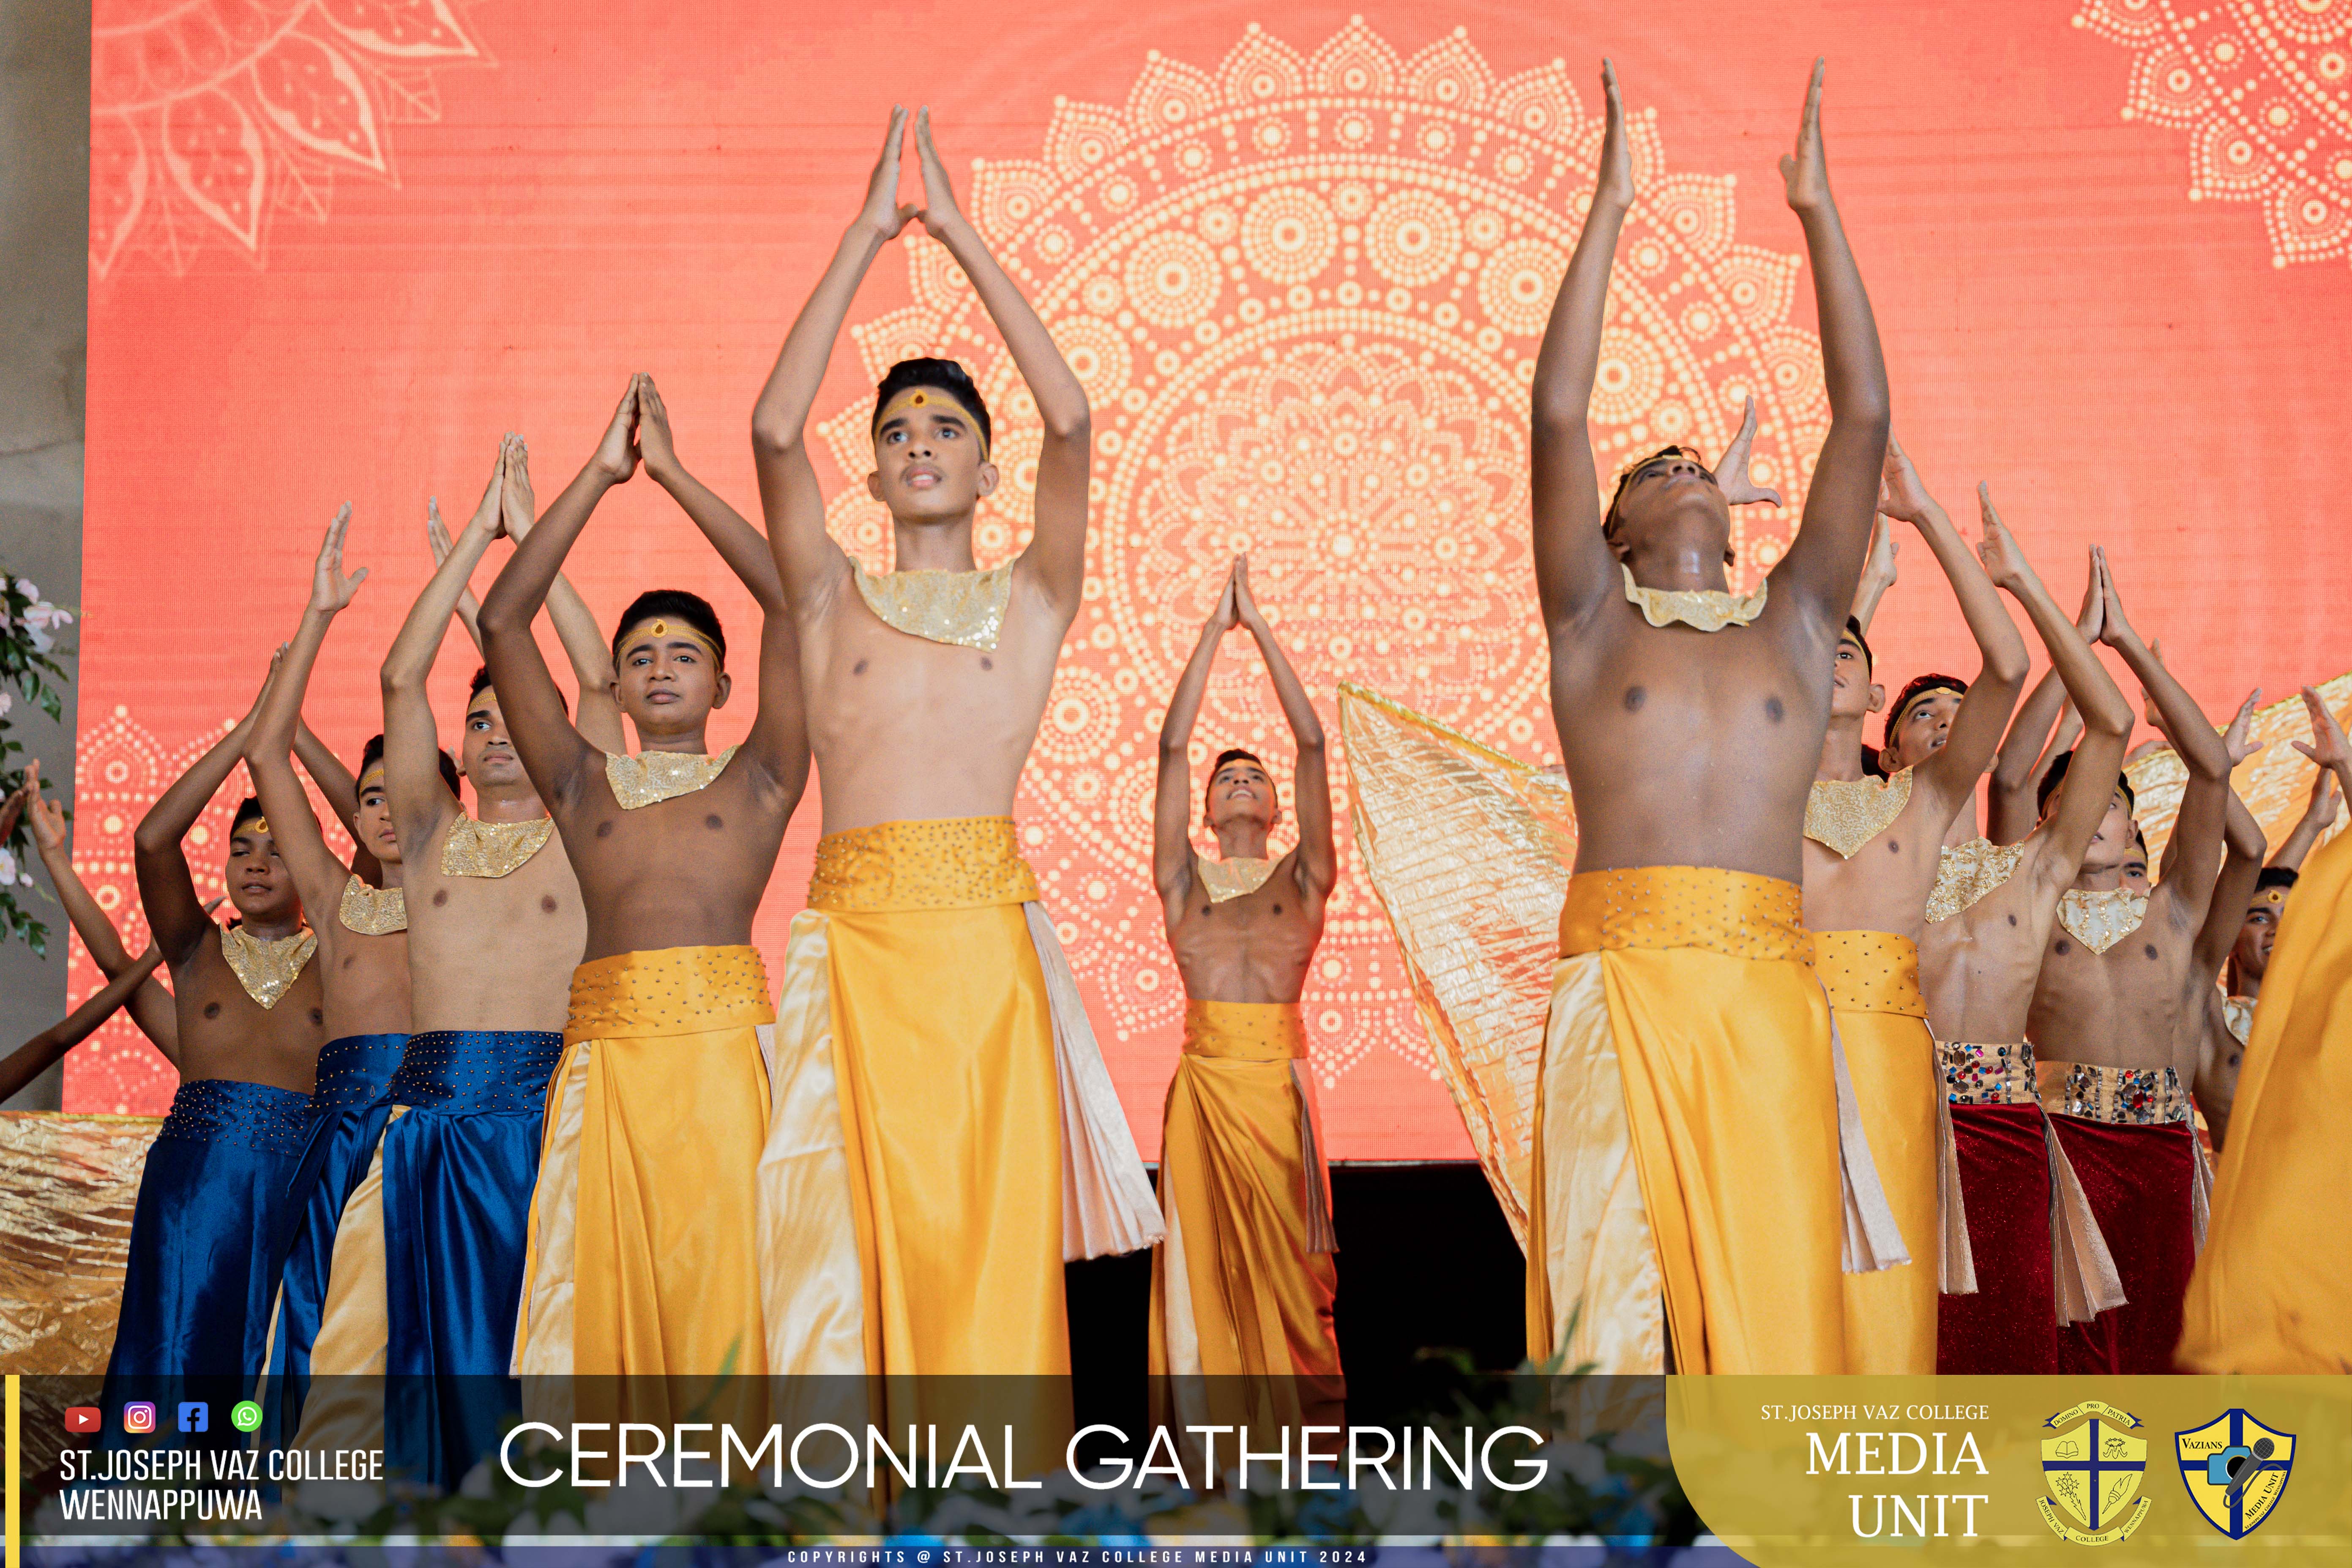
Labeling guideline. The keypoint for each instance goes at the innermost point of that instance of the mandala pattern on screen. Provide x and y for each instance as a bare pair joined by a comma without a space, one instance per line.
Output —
1304,290
121,768
2264,90
209,117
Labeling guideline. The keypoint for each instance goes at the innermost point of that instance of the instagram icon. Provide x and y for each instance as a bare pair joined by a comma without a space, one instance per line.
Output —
139,1416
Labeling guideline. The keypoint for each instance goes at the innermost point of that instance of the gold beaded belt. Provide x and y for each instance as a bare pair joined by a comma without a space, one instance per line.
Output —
950,863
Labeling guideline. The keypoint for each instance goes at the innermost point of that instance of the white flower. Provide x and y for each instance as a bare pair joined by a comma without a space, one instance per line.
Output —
28,587
47,617
7,867
7,701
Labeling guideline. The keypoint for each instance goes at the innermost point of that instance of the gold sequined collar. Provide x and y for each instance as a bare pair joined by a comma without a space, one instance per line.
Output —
1707,610
651,777
2099,920
1967,872
965,609
1846,813
372,911
267,969
1234,878
2237,1012
479,848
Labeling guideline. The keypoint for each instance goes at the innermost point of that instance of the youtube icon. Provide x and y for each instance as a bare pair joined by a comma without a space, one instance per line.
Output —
82,1418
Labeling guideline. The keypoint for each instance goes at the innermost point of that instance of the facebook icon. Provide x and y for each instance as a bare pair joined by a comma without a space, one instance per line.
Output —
196,1416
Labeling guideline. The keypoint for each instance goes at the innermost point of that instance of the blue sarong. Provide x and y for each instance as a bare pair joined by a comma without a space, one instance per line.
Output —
349,1107
196,1292
459,1167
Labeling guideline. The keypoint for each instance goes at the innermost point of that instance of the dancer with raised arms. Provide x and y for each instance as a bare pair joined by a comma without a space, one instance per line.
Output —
644,1248
1242,1289
1688,1034
918,1168
1871,850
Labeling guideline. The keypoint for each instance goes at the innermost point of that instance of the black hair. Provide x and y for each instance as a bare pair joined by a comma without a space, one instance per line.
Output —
943,375
1853,630
1609,518
1919,686
248,810
1872,767
372,752
2276,877
692,608
1230,755
482,683
2057,775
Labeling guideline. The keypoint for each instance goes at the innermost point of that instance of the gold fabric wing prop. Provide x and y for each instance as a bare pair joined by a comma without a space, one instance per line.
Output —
68,1184
1469,852
2274,782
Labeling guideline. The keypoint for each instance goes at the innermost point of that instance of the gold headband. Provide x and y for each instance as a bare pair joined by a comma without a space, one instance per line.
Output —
2271,896
662,627
920,397
260,824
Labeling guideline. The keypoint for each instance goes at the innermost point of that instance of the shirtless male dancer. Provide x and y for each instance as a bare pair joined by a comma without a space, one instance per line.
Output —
644,1249
1688,1030
1872,848
922,1142
1988,919
2104,1025
428,1261
197,1291
362,971
1242,1289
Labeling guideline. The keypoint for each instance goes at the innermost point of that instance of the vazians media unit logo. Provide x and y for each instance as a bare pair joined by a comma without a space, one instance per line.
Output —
2235,1469
2092,1468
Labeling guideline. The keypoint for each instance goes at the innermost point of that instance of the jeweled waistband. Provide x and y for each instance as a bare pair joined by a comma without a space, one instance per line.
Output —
354,1069
668,991
1988,1074
2121,1096
1736,913
228,1111
1245,1031
478,1073
1869,972
950,863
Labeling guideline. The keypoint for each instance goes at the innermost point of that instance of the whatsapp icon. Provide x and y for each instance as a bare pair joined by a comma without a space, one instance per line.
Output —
244,1415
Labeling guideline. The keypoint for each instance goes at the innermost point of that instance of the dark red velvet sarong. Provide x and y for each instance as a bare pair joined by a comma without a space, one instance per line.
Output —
2141,1183
2011,1323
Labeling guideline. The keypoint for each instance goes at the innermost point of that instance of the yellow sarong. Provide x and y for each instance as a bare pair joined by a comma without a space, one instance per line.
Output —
1873,981
1690,1178
942,1136
2273,1291
1242,1289
641,1263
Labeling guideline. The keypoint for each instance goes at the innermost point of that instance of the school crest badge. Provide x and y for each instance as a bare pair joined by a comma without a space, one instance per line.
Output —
2235,1469
2092,1466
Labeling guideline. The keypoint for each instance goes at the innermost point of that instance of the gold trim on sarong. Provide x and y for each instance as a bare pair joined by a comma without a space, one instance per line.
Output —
962,609
1690,1141
1846,813
642,1260
1873,981
1241,1328
372,911
923,967
953,863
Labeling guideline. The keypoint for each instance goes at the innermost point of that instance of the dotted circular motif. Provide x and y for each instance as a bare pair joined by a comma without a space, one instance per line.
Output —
2264,90
209,117
1304,290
